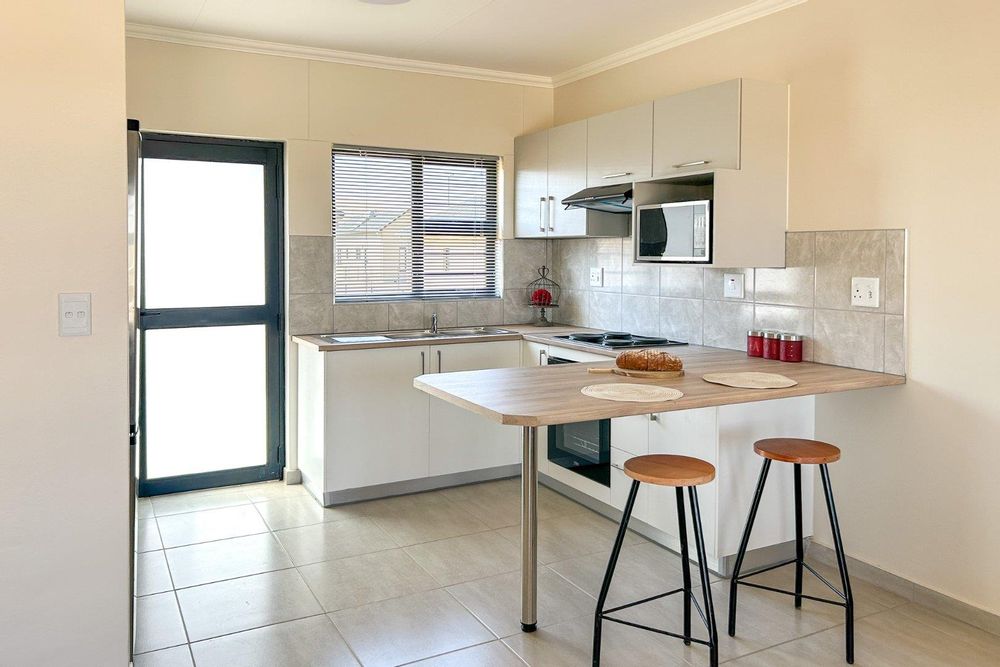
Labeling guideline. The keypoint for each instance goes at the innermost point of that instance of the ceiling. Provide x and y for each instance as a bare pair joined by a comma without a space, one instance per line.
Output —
535,37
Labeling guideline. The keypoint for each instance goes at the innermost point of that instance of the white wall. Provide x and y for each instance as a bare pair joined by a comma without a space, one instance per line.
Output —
894,124
63,405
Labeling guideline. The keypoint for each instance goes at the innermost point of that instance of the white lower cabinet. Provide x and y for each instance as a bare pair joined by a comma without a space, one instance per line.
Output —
461,440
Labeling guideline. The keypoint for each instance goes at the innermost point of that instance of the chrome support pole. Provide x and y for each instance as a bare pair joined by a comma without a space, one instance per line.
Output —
529,528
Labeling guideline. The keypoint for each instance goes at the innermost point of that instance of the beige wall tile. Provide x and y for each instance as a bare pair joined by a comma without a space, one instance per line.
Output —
604,310
853,339
638,278
843,255
308,196
521,260
571,263
516,309
447,312
606,254
895,271
574,308
682,281
480,312
310,314
791,320
726,324
895,345
682,319
360,317
310,265
640,314
406,315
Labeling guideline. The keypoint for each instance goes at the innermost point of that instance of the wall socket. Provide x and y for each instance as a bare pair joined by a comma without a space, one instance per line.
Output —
732,285
597,276
74,314
864,292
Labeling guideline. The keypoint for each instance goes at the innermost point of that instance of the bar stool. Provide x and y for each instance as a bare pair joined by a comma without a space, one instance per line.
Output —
679,472
799,452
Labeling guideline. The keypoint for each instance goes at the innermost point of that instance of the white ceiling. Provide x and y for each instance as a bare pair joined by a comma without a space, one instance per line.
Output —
537,37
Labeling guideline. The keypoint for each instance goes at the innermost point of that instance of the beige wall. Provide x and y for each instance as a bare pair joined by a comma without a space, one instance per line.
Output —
894,123
178,88
63,404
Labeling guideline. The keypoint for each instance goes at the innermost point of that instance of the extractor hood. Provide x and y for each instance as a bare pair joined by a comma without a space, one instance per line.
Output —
607,198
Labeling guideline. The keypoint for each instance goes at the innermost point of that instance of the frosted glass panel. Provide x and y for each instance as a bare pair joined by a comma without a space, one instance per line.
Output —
206,403
204,233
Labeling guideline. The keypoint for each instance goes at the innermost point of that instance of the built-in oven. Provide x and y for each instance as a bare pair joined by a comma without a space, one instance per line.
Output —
583,447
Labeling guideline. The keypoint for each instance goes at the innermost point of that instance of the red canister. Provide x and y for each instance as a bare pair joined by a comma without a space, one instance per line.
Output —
755,343
772,344
790,347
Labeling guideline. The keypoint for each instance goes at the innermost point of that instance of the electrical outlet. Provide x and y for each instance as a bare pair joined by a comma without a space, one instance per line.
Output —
732,285
74,314
864,292
597,276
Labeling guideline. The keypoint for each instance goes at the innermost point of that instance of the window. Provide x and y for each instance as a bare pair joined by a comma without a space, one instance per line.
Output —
413,225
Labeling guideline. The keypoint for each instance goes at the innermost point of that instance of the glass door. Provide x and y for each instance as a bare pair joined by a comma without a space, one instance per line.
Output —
211,356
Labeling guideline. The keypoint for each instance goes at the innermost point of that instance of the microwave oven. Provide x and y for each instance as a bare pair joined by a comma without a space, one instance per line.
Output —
678,232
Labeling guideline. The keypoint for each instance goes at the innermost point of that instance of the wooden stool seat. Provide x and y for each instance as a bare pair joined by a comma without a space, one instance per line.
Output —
797,450
670,470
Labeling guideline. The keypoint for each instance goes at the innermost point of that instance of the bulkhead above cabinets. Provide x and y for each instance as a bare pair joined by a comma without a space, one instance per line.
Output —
731,138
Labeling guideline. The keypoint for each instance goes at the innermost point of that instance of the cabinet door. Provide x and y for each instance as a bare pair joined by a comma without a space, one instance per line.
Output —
461,440
531,204
567,176
687,433
376,421
631,434
622,483
533,354
697,130
620,146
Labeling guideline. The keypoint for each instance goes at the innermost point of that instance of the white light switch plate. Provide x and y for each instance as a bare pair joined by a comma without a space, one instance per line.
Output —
596,276
732,285
74,314
864,292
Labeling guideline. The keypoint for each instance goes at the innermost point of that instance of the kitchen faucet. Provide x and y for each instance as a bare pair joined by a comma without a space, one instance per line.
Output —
434,323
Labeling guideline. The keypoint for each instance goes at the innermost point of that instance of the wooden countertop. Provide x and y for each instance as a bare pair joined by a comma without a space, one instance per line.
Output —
545,395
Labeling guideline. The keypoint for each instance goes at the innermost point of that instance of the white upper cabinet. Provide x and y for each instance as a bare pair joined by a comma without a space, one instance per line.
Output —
697,130
531,172
567,176
620,146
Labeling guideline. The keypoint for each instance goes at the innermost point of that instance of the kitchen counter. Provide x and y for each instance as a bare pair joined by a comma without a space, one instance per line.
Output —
547,395
520,331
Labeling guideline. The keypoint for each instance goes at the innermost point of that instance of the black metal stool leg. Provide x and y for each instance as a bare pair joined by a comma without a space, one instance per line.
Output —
741,554
685,564
845,580
799,549
612,563
706,589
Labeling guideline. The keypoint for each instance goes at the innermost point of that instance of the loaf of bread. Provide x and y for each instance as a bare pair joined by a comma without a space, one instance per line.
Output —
648,360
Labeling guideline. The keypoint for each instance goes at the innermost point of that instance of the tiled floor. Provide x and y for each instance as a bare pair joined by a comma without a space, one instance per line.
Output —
262,575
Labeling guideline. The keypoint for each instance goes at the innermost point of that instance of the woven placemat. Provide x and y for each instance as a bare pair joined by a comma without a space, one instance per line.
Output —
750,380
631,393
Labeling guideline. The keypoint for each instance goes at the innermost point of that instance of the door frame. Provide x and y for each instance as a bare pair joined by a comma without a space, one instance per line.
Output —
271,314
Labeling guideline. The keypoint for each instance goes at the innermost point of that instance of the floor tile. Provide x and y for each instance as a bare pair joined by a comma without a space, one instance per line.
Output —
409,628
496,601
144,508
572,535
329,541
498,504
250,602
570,644
178,656
491,654
219,524
468,557
272,490
157,623
303,643
299,511
360,580
226,559
151,573
194,501
147,535
985,642
423,517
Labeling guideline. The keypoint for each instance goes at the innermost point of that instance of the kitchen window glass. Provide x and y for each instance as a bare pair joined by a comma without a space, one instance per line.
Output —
413,225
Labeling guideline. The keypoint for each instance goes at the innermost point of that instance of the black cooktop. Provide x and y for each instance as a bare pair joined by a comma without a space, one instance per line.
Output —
619,339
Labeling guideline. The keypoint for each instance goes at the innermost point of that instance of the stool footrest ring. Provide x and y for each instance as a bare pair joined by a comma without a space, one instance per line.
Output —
838,603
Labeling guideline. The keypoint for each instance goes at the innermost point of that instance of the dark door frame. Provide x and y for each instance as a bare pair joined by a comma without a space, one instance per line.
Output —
271,314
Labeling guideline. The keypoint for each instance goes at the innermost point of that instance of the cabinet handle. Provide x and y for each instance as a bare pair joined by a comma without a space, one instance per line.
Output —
439,361
691,164
541,217
624,173
552,213
423,363
617,467
542,353
654,418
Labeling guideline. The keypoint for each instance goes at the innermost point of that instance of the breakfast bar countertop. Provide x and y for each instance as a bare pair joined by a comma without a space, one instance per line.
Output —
547,395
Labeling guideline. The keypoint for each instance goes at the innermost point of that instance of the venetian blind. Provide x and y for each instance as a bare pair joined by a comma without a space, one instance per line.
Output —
413,225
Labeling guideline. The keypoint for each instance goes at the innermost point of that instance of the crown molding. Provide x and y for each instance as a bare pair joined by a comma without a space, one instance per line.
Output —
730,19
191,38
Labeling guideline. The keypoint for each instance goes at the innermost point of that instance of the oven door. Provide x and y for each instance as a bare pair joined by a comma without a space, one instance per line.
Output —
675,232
583,448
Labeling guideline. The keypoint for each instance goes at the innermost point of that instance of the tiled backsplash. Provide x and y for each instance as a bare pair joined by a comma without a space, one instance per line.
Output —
811,296
311,308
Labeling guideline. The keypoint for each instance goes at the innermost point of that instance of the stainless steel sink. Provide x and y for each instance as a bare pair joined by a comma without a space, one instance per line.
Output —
458,332
411,335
